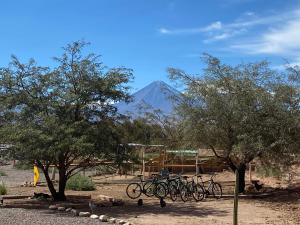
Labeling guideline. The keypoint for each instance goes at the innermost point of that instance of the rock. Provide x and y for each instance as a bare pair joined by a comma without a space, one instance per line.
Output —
121,222
127,223
68,209
75,212
94,216
112,220
104,197
84,214
61,208
103,218
53,207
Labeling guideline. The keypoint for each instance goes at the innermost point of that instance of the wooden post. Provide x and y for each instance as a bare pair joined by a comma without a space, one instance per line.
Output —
143,163
236,196
250,172
53,173
181,156
197,168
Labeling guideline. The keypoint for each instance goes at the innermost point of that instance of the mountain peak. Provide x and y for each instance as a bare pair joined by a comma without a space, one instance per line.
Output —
155,96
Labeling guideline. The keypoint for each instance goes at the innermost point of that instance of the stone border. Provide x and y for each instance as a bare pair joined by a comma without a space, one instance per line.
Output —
102,218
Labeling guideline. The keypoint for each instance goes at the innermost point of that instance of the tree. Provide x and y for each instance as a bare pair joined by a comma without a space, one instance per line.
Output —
62,116
247,111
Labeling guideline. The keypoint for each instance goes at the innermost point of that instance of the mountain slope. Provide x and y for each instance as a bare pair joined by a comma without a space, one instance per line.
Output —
156,96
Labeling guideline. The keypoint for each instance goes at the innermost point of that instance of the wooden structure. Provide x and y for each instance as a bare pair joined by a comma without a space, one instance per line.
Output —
183,160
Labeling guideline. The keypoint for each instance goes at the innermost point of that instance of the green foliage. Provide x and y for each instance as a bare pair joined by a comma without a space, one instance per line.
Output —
248,110
154,128
2,173
80,183
269,171
62,115
3,190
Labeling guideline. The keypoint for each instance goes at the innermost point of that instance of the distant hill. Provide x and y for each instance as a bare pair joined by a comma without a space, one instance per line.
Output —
156,96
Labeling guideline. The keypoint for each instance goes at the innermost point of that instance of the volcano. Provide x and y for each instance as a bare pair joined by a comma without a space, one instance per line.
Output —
156,96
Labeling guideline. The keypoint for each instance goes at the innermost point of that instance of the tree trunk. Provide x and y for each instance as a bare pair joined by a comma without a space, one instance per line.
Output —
242,170
62,185
50,183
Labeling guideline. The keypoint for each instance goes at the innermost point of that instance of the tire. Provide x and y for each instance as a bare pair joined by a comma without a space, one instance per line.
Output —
160,190
149,189
184,193
198,193
134,190
217,190
173,193
166,186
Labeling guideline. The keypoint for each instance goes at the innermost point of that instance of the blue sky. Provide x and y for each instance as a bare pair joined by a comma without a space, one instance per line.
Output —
150,35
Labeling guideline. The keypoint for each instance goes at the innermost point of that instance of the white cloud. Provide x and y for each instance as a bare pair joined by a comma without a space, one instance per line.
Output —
220,31
164,30
278,39
211,27
276,33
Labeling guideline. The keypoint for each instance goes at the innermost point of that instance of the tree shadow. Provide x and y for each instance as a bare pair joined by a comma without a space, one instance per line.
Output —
130,209
287,195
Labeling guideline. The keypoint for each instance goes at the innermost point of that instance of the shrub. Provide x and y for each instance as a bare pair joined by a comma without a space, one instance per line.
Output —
2,173
269,171
3,190
80,183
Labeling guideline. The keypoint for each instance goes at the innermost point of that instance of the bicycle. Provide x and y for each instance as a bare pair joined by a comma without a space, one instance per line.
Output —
149,188
192,189
213,187
175,184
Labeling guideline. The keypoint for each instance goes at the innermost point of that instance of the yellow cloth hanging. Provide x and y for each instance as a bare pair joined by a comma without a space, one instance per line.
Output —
36,175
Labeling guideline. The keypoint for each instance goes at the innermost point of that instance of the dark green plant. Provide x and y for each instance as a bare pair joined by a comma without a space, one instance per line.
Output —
248,111
3,189
62,116
2,173
269,171
80,183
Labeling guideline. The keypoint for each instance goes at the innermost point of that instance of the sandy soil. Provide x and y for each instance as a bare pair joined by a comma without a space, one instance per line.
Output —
280,210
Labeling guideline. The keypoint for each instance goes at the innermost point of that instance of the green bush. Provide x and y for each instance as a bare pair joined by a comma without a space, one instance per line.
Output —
269,171
3,190
2,173
80,183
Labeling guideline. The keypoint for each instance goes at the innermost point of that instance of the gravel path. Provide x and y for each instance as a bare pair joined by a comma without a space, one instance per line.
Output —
12,216
16,177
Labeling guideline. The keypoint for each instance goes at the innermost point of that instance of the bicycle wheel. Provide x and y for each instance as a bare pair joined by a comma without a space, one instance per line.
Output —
134,190
217,190
166,186
184,193
160,190
173,193
198,193
148,188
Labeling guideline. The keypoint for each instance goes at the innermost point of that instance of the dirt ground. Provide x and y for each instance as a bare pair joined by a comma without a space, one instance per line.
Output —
283,208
